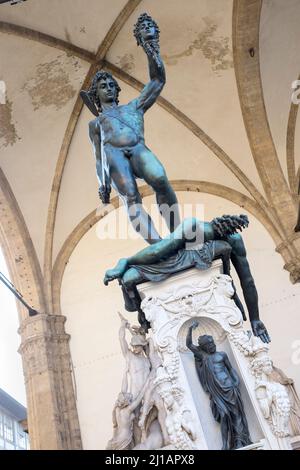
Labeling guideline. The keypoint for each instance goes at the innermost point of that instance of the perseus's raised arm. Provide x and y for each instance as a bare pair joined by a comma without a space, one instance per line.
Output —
146,32
152,90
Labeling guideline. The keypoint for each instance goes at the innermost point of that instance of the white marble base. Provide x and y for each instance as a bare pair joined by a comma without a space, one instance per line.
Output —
295,442
257,446
171,306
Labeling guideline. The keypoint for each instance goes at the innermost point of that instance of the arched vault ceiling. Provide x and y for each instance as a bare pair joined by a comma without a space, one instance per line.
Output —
196,44
80,22
280,66
42,86
197,130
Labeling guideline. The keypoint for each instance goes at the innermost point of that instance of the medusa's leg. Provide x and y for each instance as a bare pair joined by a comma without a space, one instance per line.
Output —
131,278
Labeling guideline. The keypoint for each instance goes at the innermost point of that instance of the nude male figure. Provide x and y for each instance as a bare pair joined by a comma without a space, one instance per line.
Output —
117,135
137,363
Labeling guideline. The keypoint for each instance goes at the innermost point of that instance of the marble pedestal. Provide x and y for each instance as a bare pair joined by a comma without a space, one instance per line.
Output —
171,306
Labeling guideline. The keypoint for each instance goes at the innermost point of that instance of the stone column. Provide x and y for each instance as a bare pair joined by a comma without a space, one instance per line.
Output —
52,414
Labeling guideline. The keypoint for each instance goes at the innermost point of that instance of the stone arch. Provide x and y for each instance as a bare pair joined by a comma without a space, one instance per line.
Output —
19,251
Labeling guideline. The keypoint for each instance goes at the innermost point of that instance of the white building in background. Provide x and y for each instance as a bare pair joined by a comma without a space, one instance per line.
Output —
13,424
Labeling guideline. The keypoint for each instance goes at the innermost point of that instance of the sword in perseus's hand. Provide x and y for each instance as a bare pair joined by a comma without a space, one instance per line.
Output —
104,191
103,159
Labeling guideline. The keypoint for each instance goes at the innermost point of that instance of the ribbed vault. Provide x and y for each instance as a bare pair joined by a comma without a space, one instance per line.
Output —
272,200
223,126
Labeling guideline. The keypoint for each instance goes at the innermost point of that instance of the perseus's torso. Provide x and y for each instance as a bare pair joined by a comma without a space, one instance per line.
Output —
122,126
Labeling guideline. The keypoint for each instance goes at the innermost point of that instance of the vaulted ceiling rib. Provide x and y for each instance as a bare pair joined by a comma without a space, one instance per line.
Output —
245,72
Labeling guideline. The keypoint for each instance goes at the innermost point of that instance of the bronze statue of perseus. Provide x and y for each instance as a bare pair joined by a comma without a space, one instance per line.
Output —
117,135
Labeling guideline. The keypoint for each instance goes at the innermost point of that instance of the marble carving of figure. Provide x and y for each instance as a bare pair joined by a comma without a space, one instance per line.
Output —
134,383
137,362
123,418
272,396
179,423
279,376
152,418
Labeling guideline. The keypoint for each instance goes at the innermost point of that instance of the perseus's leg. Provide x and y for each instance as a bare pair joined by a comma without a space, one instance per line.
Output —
124,183
148,167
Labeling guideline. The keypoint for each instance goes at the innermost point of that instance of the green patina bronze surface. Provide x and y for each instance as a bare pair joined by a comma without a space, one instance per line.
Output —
117,135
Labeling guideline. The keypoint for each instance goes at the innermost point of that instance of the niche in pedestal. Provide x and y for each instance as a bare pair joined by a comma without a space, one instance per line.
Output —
211,428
